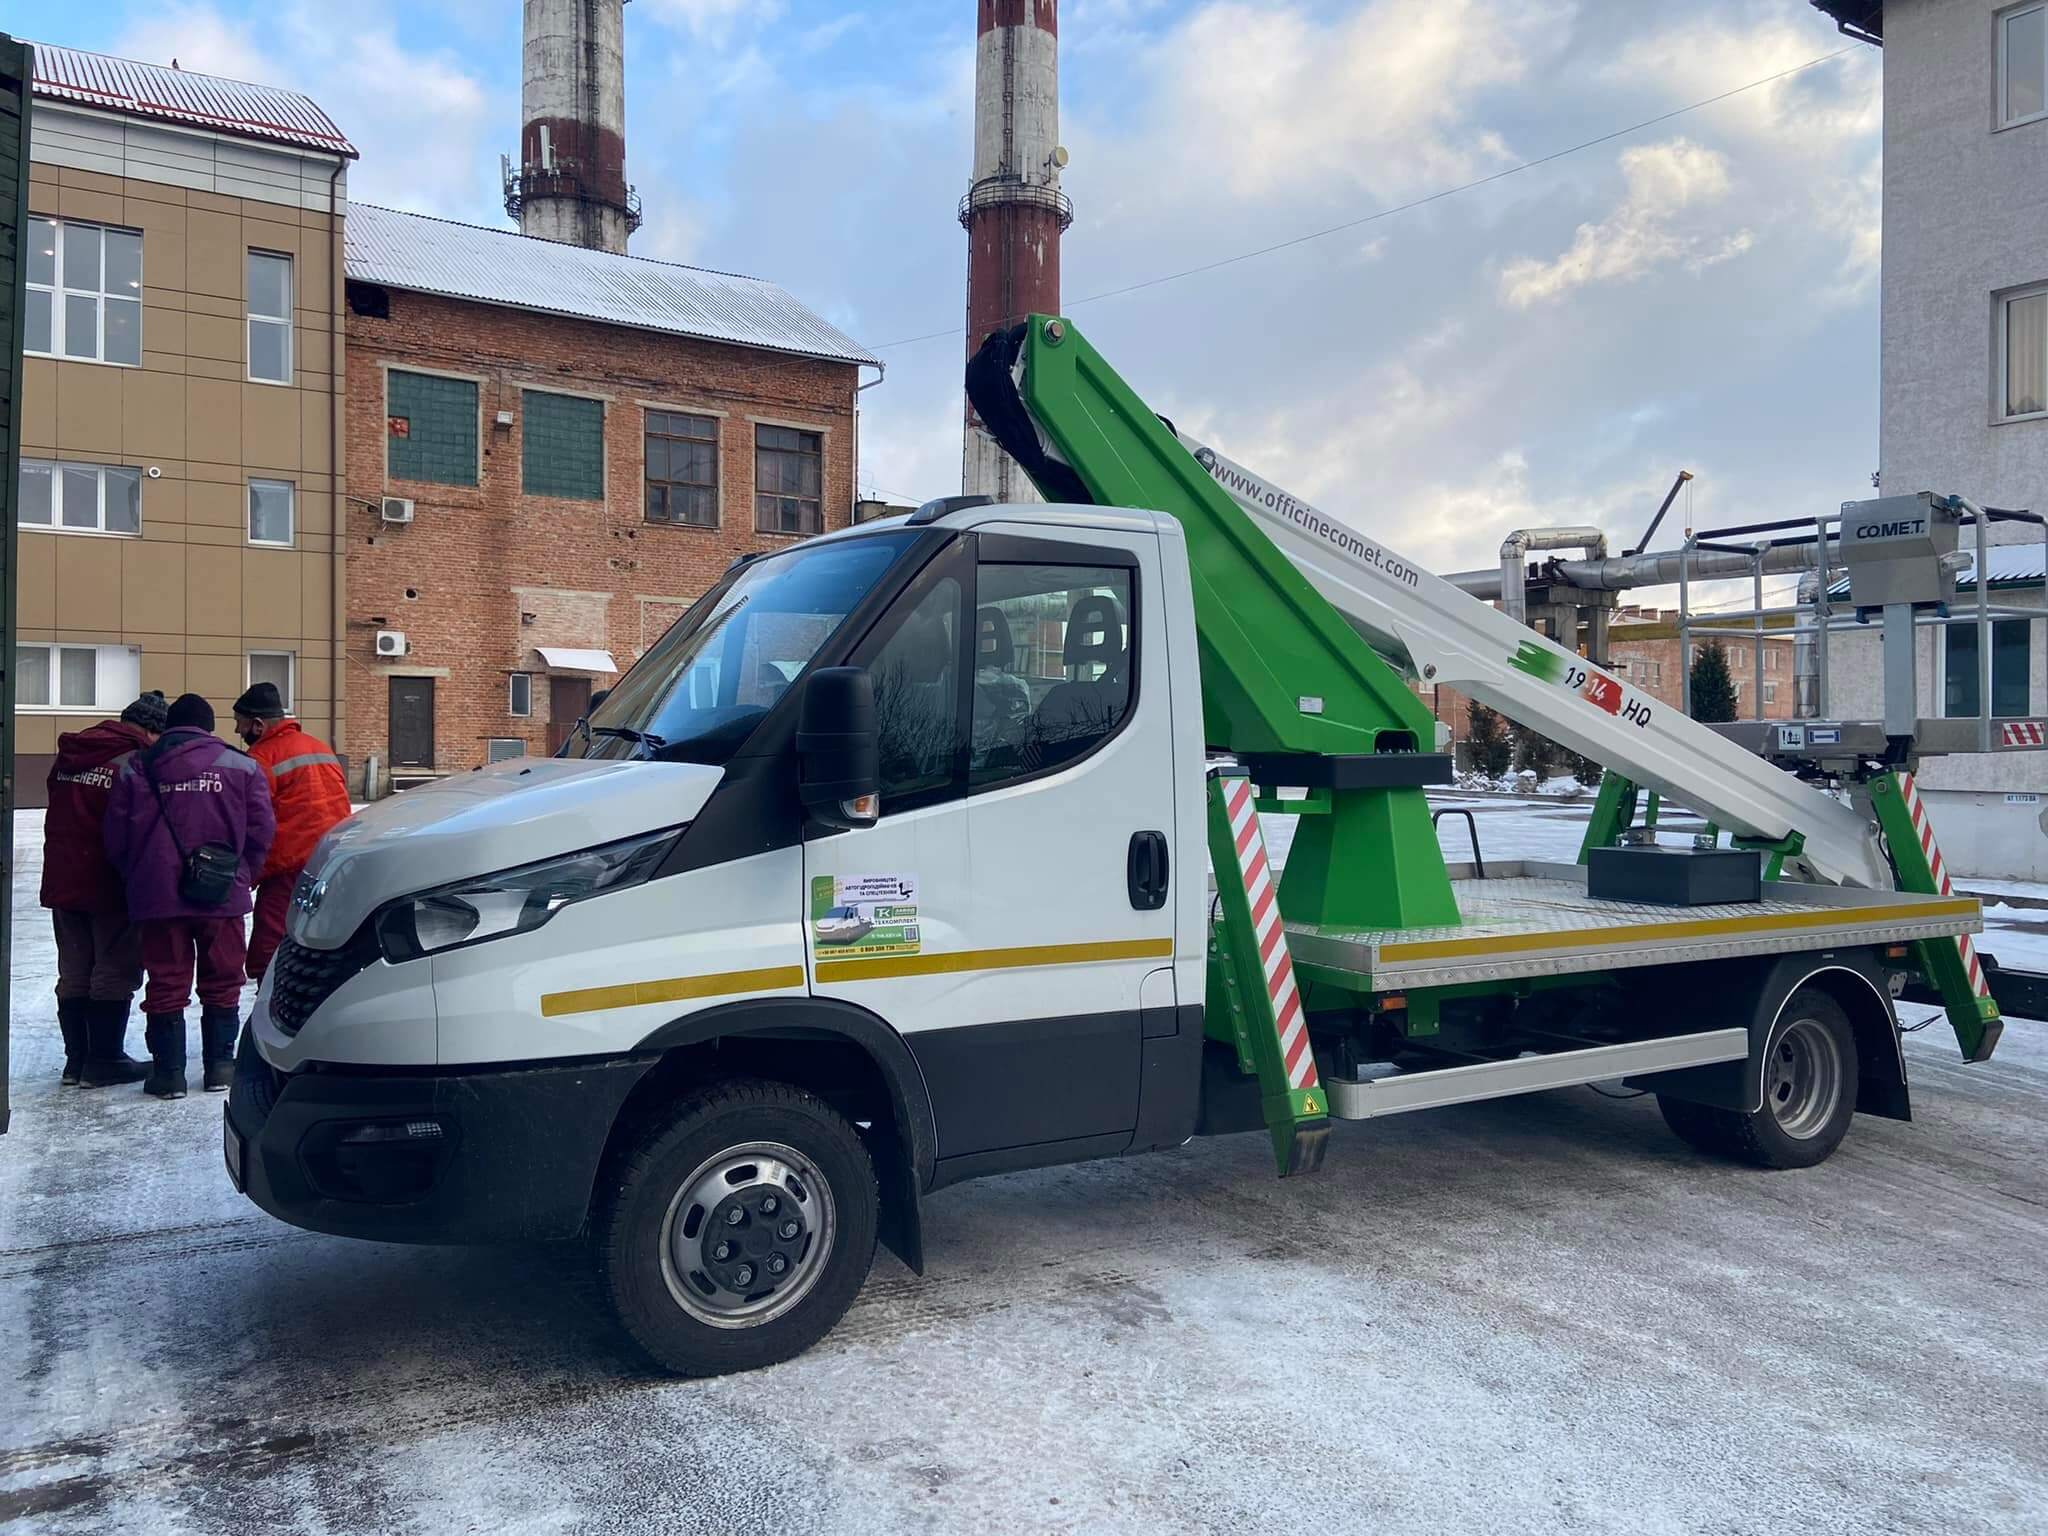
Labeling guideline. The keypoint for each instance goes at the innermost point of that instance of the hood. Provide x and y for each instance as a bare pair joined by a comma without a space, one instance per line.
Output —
97,744
476,823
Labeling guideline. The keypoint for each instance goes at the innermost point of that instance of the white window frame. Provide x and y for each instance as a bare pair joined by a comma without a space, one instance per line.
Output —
117,677
2005,20
2002,382
291,511
1941,668
512,682
99,530
284,320
291,675
57,291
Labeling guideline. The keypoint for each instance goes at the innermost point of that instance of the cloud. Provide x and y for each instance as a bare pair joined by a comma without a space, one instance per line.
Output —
419,116
1666,184
716,21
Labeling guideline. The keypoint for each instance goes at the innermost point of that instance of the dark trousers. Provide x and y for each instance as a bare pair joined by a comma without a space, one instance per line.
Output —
174,947
99,956
273,900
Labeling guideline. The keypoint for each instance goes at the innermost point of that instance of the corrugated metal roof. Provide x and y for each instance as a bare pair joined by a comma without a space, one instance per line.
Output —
2012,565
498,266
185,96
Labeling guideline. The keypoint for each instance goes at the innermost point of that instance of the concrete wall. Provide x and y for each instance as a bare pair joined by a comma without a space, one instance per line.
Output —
1965,219
189,591
487,573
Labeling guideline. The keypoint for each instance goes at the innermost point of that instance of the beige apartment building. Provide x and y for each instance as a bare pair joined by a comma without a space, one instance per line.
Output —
182,398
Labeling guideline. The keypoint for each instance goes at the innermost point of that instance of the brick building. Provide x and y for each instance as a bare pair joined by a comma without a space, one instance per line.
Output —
179,397
585,440
1643,648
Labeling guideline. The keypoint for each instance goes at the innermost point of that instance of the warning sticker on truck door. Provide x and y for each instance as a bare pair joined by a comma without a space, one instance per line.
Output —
864,915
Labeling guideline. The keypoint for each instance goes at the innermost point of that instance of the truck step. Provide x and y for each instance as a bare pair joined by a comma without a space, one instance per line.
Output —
1369,1098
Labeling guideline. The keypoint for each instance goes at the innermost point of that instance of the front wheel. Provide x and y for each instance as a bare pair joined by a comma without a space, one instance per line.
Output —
738,1229
1809,1092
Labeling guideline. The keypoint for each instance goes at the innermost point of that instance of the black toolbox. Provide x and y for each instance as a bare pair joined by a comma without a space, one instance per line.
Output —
1675,877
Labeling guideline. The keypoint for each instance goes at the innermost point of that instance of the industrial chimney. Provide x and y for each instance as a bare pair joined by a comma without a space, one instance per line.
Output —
1014,211
571,181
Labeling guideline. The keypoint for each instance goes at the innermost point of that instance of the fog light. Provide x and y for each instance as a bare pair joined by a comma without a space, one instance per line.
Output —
379,1131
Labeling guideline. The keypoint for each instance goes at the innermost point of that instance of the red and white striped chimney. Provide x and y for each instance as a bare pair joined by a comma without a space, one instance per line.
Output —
1014,211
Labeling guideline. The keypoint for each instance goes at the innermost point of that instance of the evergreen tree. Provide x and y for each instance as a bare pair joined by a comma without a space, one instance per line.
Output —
1713,688
1536,753
1487,741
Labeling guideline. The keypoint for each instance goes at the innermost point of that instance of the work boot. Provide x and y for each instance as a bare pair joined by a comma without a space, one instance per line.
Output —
217,1030
71,1022
165,1033
107,1061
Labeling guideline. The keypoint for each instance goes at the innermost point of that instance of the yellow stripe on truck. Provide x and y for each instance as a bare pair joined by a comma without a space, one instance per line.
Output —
877,967
675,989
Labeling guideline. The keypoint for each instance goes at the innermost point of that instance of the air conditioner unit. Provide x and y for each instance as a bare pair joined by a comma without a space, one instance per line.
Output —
396,509
391,642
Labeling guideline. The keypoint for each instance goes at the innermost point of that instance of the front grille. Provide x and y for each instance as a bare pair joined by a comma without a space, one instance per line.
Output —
301,979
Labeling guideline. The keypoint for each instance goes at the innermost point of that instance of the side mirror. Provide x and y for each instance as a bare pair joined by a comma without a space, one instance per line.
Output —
598,698
838,748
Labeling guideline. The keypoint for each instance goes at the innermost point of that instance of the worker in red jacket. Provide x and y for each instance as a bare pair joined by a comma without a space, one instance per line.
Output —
309,794
99,952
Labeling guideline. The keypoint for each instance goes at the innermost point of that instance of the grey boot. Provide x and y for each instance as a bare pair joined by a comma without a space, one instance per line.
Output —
71,1023
165,1033
218,1028
107,1061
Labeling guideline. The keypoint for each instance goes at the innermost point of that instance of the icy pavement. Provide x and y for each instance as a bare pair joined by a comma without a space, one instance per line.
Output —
1541,1315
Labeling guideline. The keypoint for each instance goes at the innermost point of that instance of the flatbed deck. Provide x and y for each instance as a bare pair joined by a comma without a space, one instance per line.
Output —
1530,919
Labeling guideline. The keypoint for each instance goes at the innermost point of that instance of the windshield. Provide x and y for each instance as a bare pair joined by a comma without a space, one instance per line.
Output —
702,687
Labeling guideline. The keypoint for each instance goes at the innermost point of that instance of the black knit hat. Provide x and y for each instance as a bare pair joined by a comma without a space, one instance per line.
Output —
189,709
261,702
147,711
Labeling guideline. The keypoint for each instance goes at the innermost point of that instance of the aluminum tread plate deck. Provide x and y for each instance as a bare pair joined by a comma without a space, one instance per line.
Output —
1537,920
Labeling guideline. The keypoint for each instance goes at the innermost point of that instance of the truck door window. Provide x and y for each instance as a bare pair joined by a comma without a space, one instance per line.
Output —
917,668
1055,666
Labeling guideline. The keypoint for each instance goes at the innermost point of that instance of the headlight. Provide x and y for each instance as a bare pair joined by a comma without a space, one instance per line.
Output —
514,900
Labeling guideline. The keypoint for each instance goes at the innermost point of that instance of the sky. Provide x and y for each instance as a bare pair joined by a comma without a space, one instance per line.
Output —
1552,347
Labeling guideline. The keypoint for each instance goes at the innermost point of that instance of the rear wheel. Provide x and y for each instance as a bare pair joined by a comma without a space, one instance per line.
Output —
738,1229
1809,1092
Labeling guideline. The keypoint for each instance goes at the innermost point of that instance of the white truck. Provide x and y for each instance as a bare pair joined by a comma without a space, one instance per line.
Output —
889,866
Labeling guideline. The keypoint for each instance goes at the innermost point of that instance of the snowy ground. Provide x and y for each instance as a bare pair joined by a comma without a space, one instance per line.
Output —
1542,1315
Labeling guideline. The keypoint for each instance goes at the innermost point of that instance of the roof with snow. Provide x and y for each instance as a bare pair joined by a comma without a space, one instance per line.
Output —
186,97
420,254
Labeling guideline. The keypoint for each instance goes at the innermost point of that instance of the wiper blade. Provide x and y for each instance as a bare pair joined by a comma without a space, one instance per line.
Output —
646,740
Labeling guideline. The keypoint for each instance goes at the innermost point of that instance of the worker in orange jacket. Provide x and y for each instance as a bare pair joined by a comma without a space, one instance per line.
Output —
309,794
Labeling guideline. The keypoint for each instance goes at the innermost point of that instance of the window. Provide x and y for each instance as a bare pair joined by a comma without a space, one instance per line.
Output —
2022,64
917,673
84,292
2023,350
682,469
270,318
270,512
1961,688
76,677
521,700
430,428
502,749
274,667
1771,659
561,446
1770,693
788,479
1052,666
79,498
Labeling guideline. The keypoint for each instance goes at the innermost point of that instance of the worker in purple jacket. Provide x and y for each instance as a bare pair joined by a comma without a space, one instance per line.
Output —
188,793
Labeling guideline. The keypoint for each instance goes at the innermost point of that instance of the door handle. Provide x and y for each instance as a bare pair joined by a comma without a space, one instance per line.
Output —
1145,868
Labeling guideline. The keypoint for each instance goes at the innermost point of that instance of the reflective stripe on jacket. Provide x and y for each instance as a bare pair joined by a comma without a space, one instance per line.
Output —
306,787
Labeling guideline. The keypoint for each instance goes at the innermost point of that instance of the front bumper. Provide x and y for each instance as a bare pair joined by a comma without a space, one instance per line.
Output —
420,1156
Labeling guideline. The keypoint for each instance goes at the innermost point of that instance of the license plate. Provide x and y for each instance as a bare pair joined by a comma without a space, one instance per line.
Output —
231,1149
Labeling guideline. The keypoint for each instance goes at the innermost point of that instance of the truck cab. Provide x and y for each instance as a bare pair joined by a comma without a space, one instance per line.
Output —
883,869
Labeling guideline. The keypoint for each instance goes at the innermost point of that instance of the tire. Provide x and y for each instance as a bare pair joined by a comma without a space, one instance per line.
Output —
750,1159
1809,1092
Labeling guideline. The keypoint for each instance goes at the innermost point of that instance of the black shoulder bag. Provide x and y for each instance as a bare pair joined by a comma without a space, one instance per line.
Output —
206,875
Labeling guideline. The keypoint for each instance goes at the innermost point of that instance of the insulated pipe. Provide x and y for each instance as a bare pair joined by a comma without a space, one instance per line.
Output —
1658,570
1514,552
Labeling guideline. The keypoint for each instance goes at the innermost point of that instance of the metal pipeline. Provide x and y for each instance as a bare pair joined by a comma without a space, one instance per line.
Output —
1626,571
1514,553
